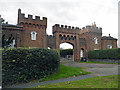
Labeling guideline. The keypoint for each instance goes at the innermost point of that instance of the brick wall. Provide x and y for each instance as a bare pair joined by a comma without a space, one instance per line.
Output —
29,25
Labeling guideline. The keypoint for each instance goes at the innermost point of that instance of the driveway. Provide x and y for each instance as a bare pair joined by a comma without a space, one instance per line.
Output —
96,69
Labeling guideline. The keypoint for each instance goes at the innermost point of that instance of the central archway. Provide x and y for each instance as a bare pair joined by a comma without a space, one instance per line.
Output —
66,51
72,44
64,34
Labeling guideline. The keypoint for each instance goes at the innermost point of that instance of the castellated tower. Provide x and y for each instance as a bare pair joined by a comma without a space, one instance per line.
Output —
68,34
92,35
34,30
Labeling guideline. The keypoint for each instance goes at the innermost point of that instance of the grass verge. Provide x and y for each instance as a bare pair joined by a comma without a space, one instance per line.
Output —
96,62
65,72
95,82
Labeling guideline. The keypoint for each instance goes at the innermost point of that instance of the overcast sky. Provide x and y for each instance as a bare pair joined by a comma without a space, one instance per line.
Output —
78,13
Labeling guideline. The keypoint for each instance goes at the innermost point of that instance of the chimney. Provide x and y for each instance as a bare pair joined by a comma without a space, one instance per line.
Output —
109,35
94,24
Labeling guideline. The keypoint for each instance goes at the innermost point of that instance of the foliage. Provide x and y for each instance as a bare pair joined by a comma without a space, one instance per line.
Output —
102,82
5,42
24,65
64,52
104,54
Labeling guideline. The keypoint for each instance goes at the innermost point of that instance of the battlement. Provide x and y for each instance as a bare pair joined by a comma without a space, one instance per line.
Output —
65,28
88,27
91,28
77,30
37,21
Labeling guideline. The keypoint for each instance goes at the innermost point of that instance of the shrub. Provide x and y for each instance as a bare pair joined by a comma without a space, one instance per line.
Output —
64,52
104,54
24,65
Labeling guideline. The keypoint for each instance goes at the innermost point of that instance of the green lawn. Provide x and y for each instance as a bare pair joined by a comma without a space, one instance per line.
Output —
96,62
95,82
66,71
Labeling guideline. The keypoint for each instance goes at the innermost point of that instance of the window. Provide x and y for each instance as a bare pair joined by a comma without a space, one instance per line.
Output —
96,40
82,52
33,35
109,46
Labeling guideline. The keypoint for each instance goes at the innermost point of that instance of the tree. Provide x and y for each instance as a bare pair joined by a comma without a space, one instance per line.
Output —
6,42
1,19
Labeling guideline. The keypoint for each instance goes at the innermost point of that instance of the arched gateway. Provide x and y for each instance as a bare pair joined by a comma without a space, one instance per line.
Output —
31,32
69,35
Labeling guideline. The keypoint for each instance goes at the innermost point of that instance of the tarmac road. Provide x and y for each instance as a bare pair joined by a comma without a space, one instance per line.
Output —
97,69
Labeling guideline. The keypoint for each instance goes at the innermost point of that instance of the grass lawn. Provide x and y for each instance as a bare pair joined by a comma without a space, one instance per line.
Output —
66,71
95,82
96,62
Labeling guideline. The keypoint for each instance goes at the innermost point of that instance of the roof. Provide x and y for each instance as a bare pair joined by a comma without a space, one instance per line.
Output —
11,25
6,26
108,38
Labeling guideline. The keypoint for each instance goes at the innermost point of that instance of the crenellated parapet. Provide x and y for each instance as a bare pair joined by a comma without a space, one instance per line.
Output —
91,28
30,21
65,29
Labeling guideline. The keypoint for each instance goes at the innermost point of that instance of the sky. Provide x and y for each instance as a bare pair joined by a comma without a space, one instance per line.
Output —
77,13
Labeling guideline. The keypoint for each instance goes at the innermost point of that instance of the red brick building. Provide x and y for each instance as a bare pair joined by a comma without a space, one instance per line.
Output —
31,32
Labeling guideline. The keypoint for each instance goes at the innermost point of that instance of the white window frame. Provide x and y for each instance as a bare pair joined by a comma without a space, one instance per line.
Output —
96,40
33,35
81,53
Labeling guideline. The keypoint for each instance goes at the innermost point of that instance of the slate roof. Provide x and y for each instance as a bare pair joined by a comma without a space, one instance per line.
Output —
108,38
11,25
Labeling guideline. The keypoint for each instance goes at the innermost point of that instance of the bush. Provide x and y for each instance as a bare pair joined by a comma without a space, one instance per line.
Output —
64,52
24,65
104,54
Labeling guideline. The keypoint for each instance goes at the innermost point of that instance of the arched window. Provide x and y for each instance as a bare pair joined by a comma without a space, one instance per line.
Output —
82,52
96,40
33,35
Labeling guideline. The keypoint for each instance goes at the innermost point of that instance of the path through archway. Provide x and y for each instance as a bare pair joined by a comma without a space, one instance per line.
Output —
66,52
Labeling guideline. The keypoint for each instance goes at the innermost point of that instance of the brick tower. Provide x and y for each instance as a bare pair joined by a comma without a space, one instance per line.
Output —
34,30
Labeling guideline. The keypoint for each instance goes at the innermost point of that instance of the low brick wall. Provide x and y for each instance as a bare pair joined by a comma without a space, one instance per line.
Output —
105,60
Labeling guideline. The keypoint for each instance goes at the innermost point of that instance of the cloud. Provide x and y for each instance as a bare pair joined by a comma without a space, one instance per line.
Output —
78,13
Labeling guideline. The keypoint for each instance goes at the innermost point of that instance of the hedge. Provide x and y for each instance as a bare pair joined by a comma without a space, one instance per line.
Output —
104,54
64,52
24,65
